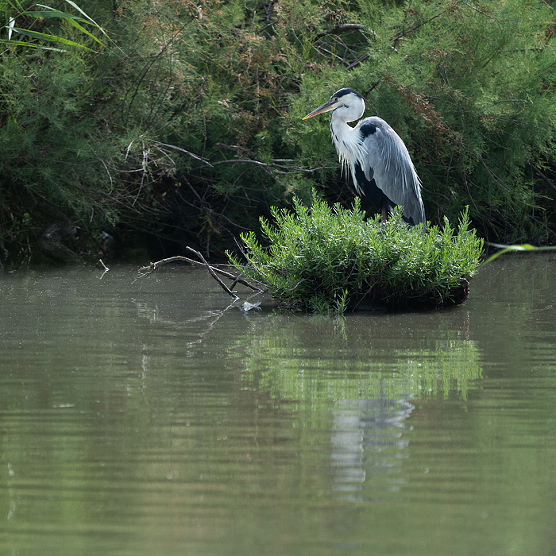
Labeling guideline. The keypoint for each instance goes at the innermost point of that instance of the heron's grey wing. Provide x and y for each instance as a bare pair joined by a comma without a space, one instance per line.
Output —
389,163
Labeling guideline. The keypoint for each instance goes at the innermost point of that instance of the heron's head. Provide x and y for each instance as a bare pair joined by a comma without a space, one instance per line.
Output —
349,104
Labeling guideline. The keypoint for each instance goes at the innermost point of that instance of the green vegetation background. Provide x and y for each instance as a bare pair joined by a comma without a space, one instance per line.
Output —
179,122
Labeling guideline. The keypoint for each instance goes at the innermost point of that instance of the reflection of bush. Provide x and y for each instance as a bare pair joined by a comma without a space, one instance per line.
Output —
280,363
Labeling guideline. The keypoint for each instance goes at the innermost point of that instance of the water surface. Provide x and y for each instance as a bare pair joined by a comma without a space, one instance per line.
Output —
157,417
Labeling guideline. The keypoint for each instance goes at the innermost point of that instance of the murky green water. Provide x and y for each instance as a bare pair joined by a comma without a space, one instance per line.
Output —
152,418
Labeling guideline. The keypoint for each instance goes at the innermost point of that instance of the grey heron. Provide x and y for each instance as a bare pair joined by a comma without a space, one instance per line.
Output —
380,165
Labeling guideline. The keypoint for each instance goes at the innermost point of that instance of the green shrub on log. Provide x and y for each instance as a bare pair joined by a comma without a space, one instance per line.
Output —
321,258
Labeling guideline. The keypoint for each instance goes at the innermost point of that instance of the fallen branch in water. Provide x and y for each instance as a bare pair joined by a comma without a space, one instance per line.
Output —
213,271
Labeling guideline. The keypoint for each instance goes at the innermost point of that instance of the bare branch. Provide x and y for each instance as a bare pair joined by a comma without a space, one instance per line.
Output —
339,29
236,149
359,60
268,165
212,273
543,175
213,270
410,30
188,153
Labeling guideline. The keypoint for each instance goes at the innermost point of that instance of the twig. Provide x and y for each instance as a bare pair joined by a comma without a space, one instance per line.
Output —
482,12
355,63
236,280
236,149
189,153
106,269
212,273
543,175
414,28
372,87
339,29
267,166
152,267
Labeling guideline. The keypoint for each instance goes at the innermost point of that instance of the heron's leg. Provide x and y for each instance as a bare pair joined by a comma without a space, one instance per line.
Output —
384,213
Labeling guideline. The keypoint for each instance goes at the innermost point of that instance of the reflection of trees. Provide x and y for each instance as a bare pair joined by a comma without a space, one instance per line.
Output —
326,374
514,312
195,317
367,447
199,325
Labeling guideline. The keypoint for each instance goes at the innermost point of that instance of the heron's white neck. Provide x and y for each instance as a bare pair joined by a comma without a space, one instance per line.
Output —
346,139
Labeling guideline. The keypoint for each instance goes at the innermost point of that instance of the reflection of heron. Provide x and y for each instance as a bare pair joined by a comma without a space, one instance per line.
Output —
380,165
367,439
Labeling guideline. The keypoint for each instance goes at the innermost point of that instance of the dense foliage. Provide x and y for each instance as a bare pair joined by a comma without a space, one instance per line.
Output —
181,120
329,259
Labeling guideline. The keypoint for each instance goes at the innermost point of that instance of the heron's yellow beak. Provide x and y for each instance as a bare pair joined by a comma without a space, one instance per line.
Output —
326,107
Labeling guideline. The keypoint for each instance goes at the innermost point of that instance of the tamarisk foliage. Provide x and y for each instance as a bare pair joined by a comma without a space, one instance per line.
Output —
181,121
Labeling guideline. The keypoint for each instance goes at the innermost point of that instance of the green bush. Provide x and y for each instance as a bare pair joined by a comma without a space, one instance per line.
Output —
80,120
322,258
